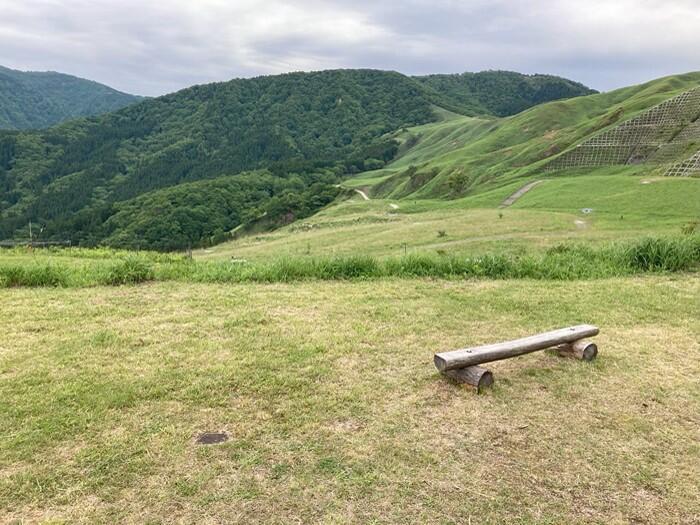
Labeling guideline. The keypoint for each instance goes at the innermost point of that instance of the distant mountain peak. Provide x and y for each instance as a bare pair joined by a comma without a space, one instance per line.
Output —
34,99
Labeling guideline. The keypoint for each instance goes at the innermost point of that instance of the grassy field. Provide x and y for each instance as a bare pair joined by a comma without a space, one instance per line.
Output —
334,410
624,207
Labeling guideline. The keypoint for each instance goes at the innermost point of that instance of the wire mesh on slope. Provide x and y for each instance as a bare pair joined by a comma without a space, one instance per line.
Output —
657,135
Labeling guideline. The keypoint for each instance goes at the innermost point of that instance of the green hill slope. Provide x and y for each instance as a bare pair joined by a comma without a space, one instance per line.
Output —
465,155
42,99
303,128
624,207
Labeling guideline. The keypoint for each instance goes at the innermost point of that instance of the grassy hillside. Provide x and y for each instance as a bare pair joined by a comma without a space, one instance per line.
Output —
502,93
125,178
442,193
462,155
39,100
301,127
624,207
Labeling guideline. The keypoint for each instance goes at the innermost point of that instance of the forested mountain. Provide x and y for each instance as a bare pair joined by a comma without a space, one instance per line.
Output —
118,177
502,93
31,100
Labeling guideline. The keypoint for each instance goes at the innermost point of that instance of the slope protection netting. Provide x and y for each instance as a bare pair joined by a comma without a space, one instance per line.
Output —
687,168
660,135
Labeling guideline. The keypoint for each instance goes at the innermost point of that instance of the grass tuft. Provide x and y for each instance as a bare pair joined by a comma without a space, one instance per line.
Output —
664,254
131,270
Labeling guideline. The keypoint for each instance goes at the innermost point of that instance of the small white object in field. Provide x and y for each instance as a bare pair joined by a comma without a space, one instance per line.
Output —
587,210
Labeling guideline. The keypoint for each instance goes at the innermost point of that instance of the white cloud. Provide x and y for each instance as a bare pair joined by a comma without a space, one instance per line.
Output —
152,47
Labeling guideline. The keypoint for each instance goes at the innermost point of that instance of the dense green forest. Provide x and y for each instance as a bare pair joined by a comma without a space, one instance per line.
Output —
32,100
501,93
124,178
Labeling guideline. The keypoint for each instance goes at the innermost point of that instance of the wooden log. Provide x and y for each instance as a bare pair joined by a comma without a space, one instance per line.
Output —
581,349
475,376
485,354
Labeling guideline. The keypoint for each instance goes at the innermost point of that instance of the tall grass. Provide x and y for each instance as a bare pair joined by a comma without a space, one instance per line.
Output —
663,254
131,270
563,262
33,275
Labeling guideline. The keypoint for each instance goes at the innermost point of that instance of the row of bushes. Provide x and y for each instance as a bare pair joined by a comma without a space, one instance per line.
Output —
564,262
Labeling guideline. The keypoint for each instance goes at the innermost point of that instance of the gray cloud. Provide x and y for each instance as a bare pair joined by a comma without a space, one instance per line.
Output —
153,47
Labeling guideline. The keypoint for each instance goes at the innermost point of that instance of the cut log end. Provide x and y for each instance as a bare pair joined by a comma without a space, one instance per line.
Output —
474,376
582,350
440,363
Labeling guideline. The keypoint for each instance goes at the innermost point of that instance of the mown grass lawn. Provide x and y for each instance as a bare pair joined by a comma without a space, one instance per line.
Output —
334,410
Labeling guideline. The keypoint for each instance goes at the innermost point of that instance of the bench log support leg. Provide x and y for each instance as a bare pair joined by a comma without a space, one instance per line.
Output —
582,350
475,376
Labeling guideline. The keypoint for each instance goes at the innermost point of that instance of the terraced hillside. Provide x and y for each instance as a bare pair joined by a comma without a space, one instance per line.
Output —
661,135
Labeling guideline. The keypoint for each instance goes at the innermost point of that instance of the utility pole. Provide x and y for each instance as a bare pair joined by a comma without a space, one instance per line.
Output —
31,237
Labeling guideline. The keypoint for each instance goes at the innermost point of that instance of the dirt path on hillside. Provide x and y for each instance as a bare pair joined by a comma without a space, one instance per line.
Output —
522,191
363,194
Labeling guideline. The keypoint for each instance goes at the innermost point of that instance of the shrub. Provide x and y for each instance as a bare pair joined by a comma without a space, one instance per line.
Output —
131,270
664,254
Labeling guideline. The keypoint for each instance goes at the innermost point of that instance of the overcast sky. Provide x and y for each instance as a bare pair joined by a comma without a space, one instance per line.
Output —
153,47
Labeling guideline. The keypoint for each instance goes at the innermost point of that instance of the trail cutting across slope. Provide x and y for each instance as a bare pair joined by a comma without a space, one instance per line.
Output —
522,191
363,194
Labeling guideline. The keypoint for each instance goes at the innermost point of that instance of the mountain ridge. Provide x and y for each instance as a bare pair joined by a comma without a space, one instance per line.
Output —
40,99
477,90
302,129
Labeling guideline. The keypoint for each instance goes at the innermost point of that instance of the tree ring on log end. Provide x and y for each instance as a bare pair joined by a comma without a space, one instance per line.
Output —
439,363
590,352
486,380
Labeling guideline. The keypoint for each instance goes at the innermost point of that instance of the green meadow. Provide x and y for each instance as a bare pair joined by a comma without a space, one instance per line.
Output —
624,207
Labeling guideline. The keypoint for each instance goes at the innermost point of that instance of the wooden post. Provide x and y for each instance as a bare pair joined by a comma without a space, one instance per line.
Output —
486,354
475,376
583,350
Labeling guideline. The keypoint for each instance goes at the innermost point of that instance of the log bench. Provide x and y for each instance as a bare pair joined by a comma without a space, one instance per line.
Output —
461,365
